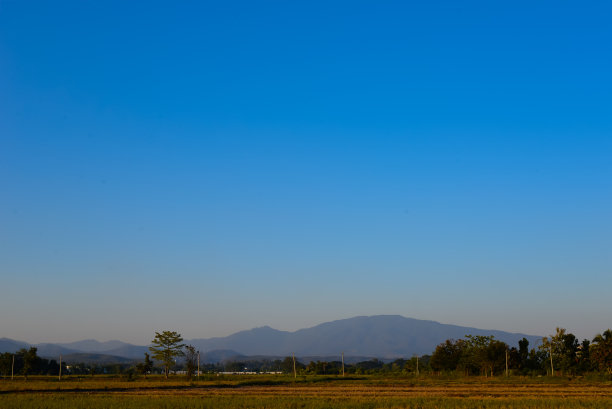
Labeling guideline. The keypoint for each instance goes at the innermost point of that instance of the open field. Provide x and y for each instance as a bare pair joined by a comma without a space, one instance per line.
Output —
320,392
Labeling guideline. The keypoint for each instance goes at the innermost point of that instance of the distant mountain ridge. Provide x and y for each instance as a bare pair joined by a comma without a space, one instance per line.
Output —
115,351
11,345
91,345
380,336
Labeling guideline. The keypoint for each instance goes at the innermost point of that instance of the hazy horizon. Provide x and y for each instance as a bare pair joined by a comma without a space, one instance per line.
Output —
186,337
219,166
248,329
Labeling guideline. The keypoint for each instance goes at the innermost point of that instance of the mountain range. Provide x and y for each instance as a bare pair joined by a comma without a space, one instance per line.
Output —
380,336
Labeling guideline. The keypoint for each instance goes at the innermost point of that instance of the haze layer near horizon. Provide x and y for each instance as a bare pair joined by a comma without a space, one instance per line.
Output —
218,166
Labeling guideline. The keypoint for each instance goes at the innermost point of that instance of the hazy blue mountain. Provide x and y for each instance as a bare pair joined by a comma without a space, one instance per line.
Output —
376,336
256,341
91,345
271,338
53,350
11,345
387,336
220,355
98,359
130,351
380,336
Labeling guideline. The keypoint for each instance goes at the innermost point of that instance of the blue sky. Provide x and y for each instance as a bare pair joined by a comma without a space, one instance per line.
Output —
215,166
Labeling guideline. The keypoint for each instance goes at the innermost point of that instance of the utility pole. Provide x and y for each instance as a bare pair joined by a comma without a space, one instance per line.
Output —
506,362
198,364
60,371
343,364
12,367
294,371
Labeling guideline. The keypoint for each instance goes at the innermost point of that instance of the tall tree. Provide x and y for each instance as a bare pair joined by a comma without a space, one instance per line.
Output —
191,360
553,346
584,356
447,355
496,355
484,353
523,352
6,360
570,347
563,347
29,360
601,351
166,348
146,366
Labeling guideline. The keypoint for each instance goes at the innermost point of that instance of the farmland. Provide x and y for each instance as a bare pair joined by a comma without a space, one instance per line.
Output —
306,392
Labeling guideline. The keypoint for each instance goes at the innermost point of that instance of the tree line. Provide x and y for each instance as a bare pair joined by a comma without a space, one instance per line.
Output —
27,362
559,353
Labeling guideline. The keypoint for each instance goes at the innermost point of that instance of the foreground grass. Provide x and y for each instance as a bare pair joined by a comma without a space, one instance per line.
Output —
268,392
57,401
110,382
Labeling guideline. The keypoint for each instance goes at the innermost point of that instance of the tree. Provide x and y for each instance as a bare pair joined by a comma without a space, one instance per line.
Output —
412,365
191,360
166,347
523,352
584,356
571,346
146,366
398,365
235,366
514,359
601,351
563,347
484,353
447,355
30,359
553,347
287,365
6,361
537,363
496,355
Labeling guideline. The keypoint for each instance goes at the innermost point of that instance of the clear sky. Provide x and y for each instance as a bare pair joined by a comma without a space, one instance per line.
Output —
209,167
